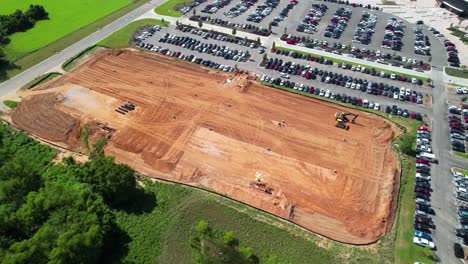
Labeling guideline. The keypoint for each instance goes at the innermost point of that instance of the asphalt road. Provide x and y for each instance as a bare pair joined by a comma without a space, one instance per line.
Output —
11,85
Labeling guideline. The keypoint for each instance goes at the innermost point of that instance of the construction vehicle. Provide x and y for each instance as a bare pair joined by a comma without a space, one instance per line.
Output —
342,119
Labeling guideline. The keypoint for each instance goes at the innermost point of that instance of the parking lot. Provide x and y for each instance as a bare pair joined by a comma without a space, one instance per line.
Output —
301,9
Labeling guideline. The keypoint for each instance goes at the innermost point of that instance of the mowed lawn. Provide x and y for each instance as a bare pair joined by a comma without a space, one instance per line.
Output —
168,8
64,18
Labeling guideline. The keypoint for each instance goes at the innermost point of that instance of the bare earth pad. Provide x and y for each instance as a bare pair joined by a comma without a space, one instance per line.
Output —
276,151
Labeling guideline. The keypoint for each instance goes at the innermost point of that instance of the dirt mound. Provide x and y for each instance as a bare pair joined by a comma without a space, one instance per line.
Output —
276,151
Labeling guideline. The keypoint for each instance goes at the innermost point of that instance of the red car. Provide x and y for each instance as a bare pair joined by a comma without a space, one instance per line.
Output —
423,191
311,89
454,123
423,161
423,128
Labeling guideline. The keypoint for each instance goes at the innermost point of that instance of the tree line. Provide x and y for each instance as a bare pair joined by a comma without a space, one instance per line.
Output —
20,21
58,213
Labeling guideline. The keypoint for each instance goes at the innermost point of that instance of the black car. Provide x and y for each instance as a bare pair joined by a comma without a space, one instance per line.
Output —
425,208
458,250
422,228
423,184
462,232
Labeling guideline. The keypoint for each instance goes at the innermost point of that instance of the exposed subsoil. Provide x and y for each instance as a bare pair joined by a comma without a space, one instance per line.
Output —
277,151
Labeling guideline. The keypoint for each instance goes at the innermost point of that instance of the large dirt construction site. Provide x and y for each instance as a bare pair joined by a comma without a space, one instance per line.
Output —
277,151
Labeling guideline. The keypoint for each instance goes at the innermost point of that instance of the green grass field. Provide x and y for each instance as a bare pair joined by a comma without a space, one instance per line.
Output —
456,72
121,38
40,80
26,60
168,8
352,63
63,19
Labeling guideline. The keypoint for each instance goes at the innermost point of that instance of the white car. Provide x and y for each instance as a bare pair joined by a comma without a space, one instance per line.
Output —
408,91
353,86
392,76
296,86
322,92
423,176
327,93
423,242
421,213
376,107
348,84
365,103
413,80
371,105
395,95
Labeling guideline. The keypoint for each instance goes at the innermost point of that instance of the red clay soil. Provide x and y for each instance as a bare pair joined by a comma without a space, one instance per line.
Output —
274,150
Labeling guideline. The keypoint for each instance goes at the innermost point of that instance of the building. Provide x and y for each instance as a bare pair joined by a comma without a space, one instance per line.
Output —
459,7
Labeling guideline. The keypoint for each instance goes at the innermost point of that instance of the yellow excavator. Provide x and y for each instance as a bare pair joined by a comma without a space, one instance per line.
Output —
342,119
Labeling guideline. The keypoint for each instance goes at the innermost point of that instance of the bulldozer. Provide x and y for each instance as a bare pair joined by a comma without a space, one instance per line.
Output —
342,119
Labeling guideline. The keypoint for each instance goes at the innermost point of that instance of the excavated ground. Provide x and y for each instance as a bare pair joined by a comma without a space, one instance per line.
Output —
274,150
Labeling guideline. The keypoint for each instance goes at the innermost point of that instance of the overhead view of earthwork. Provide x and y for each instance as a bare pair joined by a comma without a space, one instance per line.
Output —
276,151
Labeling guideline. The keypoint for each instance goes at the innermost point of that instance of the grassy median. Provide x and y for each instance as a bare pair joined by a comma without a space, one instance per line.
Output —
168,8
122,37
456,72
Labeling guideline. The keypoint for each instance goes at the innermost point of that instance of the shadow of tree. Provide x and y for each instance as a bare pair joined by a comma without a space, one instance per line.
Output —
115,246
6,66
141,201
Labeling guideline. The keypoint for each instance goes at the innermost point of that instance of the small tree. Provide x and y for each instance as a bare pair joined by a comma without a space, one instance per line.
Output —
406,144
177,22
429,59
234,31
273,47
348,47
285,29
235,67
228,238
464,98
269,27
162,21
265,57
258,40
194,11
200,24
247,54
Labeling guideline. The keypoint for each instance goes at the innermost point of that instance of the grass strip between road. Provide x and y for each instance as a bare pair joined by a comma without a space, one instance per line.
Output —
73,61
335,60
461,154
40,80
121,38
456,72
41,54
11,104
401,236
168,8
461,170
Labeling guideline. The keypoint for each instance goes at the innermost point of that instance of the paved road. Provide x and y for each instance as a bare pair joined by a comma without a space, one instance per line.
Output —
45,66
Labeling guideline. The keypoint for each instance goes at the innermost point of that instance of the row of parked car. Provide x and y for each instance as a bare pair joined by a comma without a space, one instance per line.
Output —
348,3
452,53
338,23
287,68
461,193
190,58
458,123
312,18
422,44
263,11
382,74
215,6
218,36
241,26
284,13
208,48
344,98
423,222
356,52
394,32
239,8
192,5
365,28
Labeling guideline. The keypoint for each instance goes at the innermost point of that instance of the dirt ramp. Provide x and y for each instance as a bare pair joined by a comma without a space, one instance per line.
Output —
37,115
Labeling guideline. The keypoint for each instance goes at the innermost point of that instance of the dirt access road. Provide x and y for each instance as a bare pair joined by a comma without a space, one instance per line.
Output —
274,150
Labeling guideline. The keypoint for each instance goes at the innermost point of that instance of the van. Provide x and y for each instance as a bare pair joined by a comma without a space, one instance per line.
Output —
428,156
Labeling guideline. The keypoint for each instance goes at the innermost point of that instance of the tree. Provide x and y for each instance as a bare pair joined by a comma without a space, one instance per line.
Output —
285,29
228,238
234,31
429,59
265,57
194,11
269,26
406,144
273,46
200,23
464,98
258,40
177,22
202,228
